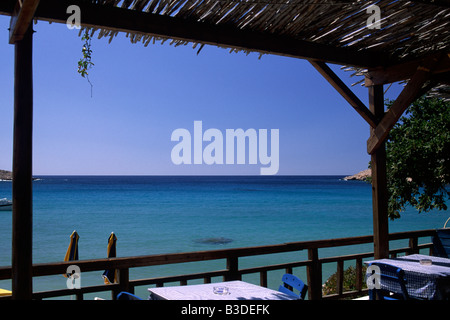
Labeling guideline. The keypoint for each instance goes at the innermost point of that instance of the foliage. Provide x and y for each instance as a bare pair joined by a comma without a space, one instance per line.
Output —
85,63
349,282
418,157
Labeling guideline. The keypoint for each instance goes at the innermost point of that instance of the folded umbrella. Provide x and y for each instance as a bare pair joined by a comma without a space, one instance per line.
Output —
110,276
72,250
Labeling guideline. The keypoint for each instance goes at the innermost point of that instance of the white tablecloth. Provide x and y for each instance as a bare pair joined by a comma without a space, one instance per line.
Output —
238,290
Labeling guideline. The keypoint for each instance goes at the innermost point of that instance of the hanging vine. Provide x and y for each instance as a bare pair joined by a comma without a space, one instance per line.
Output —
85,63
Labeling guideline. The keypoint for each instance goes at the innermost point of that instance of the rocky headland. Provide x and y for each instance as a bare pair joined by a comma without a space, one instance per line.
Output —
5,175
362,176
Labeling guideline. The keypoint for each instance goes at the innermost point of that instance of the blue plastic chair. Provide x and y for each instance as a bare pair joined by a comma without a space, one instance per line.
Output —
392,277
127,296
441,243
295,283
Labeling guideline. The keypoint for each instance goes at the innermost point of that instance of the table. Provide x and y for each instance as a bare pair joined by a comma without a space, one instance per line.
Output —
422,281
238,290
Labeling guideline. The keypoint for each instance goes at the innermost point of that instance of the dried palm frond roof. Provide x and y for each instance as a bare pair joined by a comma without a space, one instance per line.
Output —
407,28
336,31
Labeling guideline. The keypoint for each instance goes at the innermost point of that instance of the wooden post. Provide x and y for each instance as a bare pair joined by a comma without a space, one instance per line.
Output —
359,274
379,182
232,268
22,170
79,296
314,275
124,283
413,245
263,279
340,277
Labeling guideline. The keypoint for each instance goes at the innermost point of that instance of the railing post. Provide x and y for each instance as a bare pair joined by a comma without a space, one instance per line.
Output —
340,277
314,275
289,271
413,245
124,283
263,279
124,280
232,269
359,274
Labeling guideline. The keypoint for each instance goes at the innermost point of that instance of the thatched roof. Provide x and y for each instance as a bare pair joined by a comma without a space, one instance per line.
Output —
335,31
409,29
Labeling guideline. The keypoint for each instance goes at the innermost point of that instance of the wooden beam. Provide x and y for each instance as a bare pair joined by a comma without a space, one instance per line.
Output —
404,71
345,92
410,93
133,21
443,78
21,19
379,182
22,196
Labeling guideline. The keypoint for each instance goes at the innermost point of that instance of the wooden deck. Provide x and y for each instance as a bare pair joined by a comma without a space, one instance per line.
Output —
417,240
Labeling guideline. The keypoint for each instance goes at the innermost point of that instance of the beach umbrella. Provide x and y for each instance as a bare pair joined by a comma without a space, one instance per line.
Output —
110,276
72,250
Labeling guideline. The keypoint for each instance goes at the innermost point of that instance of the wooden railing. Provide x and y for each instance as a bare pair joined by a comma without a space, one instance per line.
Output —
313,264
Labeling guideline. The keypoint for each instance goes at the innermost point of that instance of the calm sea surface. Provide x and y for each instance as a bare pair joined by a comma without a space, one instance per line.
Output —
166,214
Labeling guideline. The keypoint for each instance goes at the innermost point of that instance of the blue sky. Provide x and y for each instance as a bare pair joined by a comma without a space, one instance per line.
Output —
142,94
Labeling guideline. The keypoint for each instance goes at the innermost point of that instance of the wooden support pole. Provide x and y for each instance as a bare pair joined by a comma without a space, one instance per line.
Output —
21,19
22,169
345,92
406,70
409,94
379,181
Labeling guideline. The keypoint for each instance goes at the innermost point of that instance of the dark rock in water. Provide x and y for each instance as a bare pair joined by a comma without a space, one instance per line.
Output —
218,240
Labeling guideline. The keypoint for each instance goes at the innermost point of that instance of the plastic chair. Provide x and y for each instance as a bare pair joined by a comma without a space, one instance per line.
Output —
127,296
441,243
391,277
295,283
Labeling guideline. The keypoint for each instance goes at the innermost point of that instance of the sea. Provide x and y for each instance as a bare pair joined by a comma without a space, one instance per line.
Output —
169,214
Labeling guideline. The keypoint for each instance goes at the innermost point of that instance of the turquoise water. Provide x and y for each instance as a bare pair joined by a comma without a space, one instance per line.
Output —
166,214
